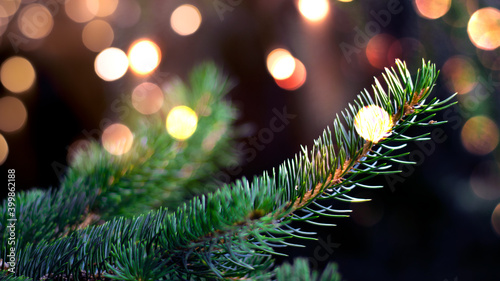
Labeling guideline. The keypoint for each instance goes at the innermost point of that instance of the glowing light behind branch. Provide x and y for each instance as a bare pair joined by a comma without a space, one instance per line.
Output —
314,10
144,56
185,20
117,139
111,64
181,122
147,98
17,74
373,123
484,28
280,63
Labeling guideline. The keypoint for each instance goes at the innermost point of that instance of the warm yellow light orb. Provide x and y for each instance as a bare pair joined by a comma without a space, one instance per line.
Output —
373,123
484,28
314,10
280,63
432,9
181,122
17,74
111,64
144,56
117,139
185,20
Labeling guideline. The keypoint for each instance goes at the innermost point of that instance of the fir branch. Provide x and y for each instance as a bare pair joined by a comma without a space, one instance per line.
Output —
233,232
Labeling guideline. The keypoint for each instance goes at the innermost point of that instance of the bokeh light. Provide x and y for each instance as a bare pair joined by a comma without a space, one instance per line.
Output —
459,74
185,20
117,139
4,149
97,35
296,80
111,64
485,179
35,21
314,10
432,9
127,14
13,114
495,219
480,135
484,28
81,10
17,74
8,7
144,56
104,7
147,98
280,63
181,122
377,50
373,123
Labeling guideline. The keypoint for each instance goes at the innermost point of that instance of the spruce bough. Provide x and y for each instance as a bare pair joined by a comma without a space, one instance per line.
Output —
235,231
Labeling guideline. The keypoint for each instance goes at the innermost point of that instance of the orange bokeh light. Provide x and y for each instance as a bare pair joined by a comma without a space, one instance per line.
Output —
117,139
280,63
185,20
432,9
378,50
460,75
484,28
147,98
13,114
296,80
97,35
480,135
144,56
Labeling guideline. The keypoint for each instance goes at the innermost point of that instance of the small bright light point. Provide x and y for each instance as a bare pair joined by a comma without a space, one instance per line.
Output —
460,75
185,20
97,35
480,135
280,63
17,74
4,149
111,64
147,98
484,28
296,80
432,9
35,21
144,56
13,114
104,7
373,123
81,10
314,10
181,122
117,139
8,7
495,219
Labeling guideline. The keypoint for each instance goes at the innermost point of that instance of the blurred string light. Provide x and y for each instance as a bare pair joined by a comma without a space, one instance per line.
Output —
480,135
127,14
13,114
4,149
484,180
185,19
459,74
495,219
296,80
280,63
9,7
314,10
81,10
97,35
373,123
111,64
35,21
181,122
484,28
144,56
378,50
432,9
104,7
147,98
117,139
17,74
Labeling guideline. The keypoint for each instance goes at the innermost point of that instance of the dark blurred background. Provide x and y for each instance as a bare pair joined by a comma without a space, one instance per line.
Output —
437,220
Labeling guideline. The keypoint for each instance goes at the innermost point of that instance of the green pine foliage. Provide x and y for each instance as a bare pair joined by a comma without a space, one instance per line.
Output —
232,233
